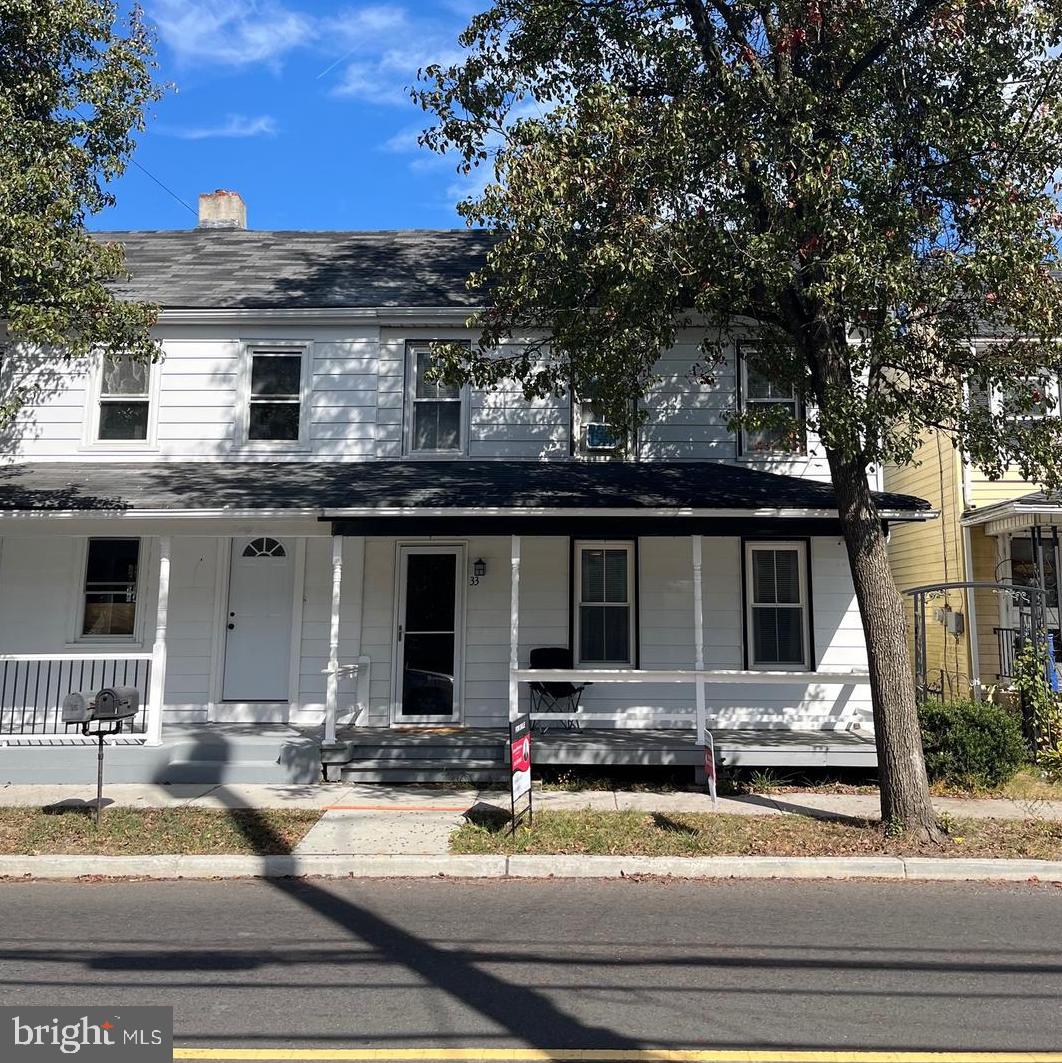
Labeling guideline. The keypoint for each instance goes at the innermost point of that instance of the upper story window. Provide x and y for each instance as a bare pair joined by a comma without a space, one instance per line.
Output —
604,607
1027,397
435,411
758,392
277,391
776,598
125,400
594,437
109,599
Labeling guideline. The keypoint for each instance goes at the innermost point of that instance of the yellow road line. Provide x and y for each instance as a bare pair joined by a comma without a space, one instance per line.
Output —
595,1055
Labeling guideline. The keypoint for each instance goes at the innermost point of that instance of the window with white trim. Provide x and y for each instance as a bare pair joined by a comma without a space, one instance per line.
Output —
1027,398
435,410
124,401
604,606
594,438
276,391
112,568
759,392
776,597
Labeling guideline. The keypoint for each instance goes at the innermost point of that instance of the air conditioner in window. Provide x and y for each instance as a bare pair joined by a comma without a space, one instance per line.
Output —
601,436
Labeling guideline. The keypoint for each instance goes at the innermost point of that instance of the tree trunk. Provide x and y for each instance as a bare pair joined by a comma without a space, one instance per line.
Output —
905,800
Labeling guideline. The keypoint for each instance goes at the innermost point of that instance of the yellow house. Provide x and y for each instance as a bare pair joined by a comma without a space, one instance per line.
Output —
1002,532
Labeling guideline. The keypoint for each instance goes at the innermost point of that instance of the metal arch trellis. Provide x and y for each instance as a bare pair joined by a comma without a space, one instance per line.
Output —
1032,613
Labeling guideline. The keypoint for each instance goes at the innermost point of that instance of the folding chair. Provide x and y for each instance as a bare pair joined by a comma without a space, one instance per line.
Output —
555,697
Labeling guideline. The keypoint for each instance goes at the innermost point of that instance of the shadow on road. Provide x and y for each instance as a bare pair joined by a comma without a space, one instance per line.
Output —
524,1013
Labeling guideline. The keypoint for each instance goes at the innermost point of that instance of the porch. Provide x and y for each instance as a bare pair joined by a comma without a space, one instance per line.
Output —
479,755
192,584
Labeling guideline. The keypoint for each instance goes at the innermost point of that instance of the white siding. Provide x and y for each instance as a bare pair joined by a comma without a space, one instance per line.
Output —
356,405
39,579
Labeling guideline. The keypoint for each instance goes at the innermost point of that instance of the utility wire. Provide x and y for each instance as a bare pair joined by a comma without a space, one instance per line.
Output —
144,170
166,188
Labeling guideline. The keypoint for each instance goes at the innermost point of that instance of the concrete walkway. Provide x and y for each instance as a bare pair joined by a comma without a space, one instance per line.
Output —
412,821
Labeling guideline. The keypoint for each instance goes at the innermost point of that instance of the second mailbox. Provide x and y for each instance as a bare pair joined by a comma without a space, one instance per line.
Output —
117,703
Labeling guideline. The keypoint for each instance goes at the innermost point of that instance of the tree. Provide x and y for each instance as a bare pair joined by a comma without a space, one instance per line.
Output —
73,88
872,184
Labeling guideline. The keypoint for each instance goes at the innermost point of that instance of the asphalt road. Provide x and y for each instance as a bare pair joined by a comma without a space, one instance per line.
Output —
551,964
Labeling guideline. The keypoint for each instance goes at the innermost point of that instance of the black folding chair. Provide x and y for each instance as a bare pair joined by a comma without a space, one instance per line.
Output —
555,697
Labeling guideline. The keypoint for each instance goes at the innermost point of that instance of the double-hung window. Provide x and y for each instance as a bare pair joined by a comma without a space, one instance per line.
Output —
276,395
435,415
112,569
761,394
604,608
1028,398
776,596
125,400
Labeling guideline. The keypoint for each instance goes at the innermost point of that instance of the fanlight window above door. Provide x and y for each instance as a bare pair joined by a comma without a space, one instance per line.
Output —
263,548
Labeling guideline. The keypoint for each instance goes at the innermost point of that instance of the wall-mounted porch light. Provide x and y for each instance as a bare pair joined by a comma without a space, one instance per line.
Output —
479,567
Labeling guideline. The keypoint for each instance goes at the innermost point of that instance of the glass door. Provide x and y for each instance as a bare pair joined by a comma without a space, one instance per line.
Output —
427,637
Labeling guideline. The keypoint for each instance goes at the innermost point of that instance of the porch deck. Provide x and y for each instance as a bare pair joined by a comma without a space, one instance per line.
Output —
374,749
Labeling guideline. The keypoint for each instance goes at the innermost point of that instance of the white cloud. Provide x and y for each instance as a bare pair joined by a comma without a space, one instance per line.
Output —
235,125
373,51
230,32
385,45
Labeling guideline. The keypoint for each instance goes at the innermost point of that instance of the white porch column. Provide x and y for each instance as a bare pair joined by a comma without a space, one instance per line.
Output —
698,632
157,688
514,630
332,682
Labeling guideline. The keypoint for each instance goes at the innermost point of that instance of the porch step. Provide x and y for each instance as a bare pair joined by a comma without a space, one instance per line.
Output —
451,753
425,769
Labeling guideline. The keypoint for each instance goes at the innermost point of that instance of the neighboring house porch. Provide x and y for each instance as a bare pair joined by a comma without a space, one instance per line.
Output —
260,606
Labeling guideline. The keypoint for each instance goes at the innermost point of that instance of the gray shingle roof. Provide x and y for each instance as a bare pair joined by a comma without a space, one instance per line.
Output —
392,485
248,269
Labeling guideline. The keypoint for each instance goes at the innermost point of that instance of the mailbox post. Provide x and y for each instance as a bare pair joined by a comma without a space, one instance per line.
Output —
101,714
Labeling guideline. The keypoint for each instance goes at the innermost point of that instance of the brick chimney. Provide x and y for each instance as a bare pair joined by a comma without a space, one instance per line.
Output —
222,210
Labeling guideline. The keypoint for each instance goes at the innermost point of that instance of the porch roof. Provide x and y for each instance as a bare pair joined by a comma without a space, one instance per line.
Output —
376,497
1036,507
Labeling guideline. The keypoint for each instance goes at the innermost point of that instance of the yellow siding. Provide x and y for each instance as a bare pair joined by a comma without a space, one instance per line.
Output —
932,552
985,492
983,552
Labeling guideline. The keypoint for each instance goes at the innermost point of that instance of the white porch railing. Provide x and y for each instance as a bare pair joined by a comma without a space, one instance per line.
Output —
701,678
33,685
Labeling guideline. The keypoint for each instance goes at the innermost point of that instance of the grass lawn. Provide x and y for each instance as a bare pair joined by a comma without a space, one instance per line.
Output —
150,831
707,834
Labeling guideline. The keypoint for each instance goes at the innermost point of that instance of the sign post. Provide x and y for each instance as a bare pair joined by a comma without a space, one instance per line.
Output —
520,765
709,765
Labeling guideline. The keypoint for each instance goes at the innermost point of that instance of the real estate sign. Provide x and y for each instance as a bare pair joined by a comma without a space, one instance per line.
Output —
520,765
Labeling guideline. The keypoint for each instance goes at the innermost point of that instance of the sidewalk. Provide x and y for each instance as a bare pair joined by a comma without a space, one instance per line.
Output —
417,821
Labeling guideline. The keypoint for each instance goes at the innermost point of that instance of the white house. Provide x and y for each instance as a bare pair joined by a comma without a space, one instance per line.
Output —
283,526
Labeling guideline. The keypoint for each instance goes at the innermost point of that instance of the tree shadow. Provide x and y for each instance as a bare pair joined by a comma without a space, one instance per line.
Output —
672,826
519,1009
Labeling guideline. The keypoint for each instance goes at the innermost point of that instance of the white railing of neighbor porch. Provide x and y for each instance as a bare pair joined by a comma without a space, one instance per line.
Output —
33,686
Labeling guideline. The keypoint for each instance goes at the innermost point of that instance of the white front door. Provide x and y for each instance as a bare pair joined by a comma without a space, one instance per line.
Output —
258,620
428,634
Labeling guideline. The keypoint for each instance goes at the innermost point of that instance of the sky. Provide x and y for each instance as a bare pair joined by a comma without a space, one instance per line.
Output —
302,107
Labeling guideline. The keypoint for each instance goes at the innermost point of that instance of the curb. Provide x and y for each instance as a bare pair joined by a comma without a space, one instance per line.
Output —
520,867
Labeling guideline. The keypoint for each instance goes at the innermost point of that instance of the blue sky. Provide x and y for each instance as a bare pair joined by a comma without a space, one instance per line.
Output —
299,105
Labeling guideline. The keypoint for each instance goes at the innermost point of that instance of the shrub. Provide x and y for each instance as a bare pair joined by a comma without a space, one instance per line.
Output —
973,744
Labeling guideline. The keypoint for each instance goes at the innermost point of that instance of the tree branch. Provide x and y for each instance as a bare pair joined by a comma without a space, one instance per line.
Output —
918,15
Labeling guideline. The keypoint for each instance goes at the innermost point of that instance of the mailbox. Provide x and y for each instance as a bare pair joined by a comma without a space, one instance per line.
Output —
78,707
117,703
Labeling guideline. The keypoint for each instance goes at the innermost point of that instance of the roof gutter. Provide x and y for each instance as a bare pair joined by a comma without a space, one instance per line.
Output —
414,512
